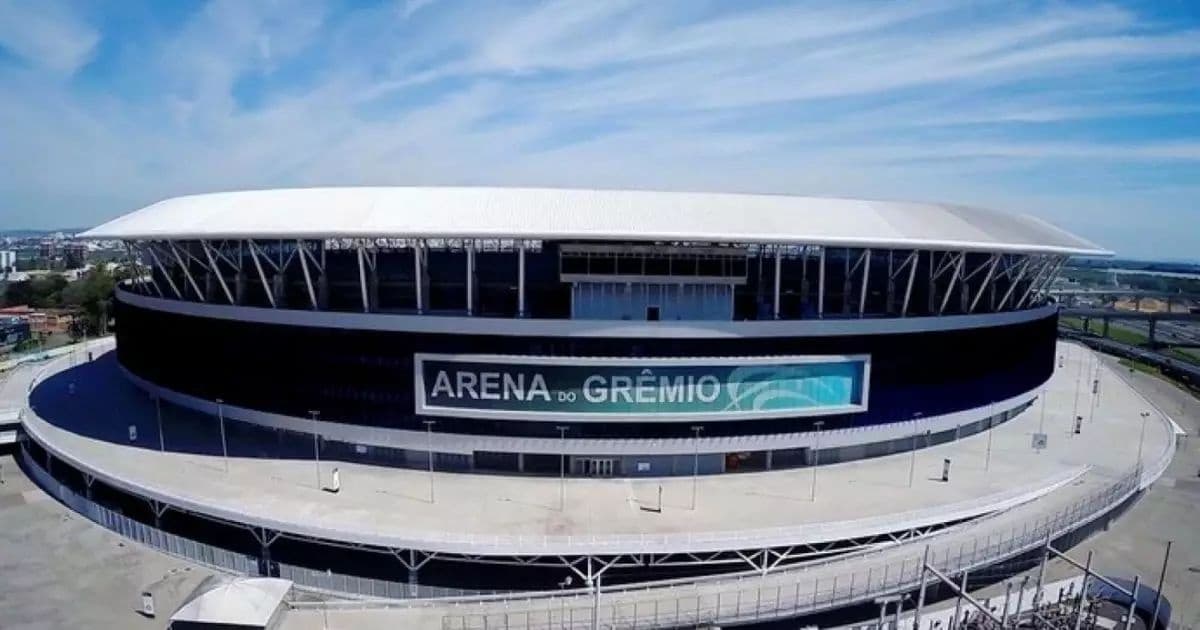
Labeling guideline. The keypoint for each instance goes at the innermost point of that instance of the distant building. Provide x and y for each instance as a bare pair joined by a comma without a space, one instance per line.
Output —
75,255
13,330
8,261
41,321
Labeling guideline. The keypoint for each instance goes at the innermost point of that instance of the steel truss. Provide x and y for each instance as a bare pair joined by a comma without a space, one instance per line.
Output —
217,271
762,560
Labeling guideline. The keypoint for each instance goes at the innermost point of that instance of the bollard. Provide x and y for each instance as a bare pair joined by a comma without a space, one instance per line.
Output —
946,469
1078,424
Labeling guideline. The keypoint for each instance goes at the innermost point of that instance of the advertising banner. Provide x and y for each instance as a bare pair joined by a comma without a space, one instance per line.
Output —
639,389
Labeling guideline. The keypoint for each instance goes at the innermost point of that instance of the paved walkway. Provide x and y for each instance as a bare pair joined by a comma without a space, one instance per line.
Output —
740,598
1117,406
501,514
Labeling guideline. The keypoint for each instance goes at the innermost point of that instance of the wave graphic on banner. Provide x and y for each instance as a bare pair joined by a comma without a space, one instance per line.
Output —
768,387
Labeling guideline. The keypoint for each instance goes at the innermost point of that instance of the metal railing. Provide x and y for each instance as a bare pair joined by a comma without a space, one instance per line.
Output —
785,594
340,584
172,544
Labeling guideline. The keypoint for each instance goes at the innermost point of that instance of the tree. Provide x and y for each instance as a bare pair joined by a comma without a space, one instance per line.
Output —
92,295
40,291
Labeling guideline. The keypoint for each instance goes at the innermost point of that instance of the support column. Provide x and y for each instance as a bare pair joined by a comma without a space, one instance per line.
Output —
279,289
418,276
866,278
778,272
265,538
362,279
470,277
521,280
373,280
821,285
1152,324
1104,326
323,282
846,284
239,286
891,285
302,253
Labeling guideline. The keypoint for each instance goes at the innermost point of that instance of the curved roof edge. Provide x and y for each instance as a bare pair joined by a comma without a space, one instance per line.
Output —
560,214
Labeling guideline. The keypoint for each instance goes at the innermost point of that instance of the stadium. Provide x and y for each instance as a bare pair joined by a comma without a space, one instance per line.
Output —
559,346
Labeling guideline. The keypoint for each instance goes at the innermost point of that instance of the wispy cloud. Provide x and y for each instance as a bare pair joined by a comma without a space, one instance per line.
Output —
46,34
1052,109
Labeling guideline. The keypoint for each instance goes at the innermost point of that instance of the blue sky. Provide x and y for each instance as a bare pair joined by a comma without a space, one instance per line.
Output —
1085,114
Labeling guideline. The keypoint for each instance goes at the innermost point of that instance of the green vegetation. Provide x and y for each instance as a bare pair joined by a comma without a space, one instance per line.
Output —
1141,367
1186,354
1123,335
90,296
1115,331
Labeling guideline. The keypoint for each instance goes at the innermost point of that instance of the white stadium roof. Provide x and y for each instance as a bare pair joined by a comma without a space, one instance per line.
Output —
562,214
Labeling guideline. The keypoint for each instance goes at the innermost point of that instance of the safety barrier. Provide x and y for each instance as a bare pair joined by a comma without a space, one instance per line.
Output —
198,552
340,584
785,594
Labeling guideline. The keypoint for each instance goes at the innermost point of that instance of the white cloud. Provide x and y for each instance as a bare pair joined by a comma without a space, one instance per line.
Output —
46,35
927,100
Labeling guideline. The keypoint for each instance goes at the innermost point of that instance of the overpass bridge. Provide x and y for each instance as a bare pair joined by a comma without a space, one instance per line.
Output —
1070,297
1107,315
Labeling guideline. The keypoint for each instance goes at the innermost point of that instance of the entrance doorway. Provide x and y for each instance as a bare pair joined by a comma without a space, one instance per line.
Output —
595,466
652,313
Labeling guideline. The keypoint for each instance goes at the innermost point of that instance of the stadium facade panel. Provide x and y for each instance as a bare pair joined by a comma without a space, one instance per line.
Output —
626,328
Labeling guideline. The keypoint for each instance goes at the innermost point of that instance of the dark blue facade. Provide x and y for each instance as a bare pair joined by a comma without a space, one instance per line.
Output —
366,377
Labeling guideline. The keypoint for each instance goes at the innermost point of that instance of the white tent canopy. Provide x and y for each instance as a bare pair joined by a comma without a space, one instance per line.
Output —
241,603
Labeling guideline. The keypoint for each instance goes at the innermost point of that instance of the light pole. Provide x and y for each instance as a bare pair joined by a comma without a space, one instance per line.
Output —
316,444
1042,420
562,467
429,450
816,458
912,462
987,461
1142,437
162,447
696,429
221,418
1075,406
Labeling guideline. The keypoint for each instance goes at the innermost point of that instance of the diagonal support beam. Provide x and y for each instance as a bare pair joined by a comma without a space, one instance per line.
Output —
866,276
312,294
216,271
986,280
362,279
186,273
262,277
163,270
912,277
953,280
1012,285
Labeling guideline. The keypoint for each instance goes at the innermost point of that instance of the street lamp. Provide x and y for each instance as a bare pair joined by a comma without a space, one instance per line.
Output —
429,451
562,467
696,429
987,461
221,418
1142,437
816,458
912,462
162,447
316,444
